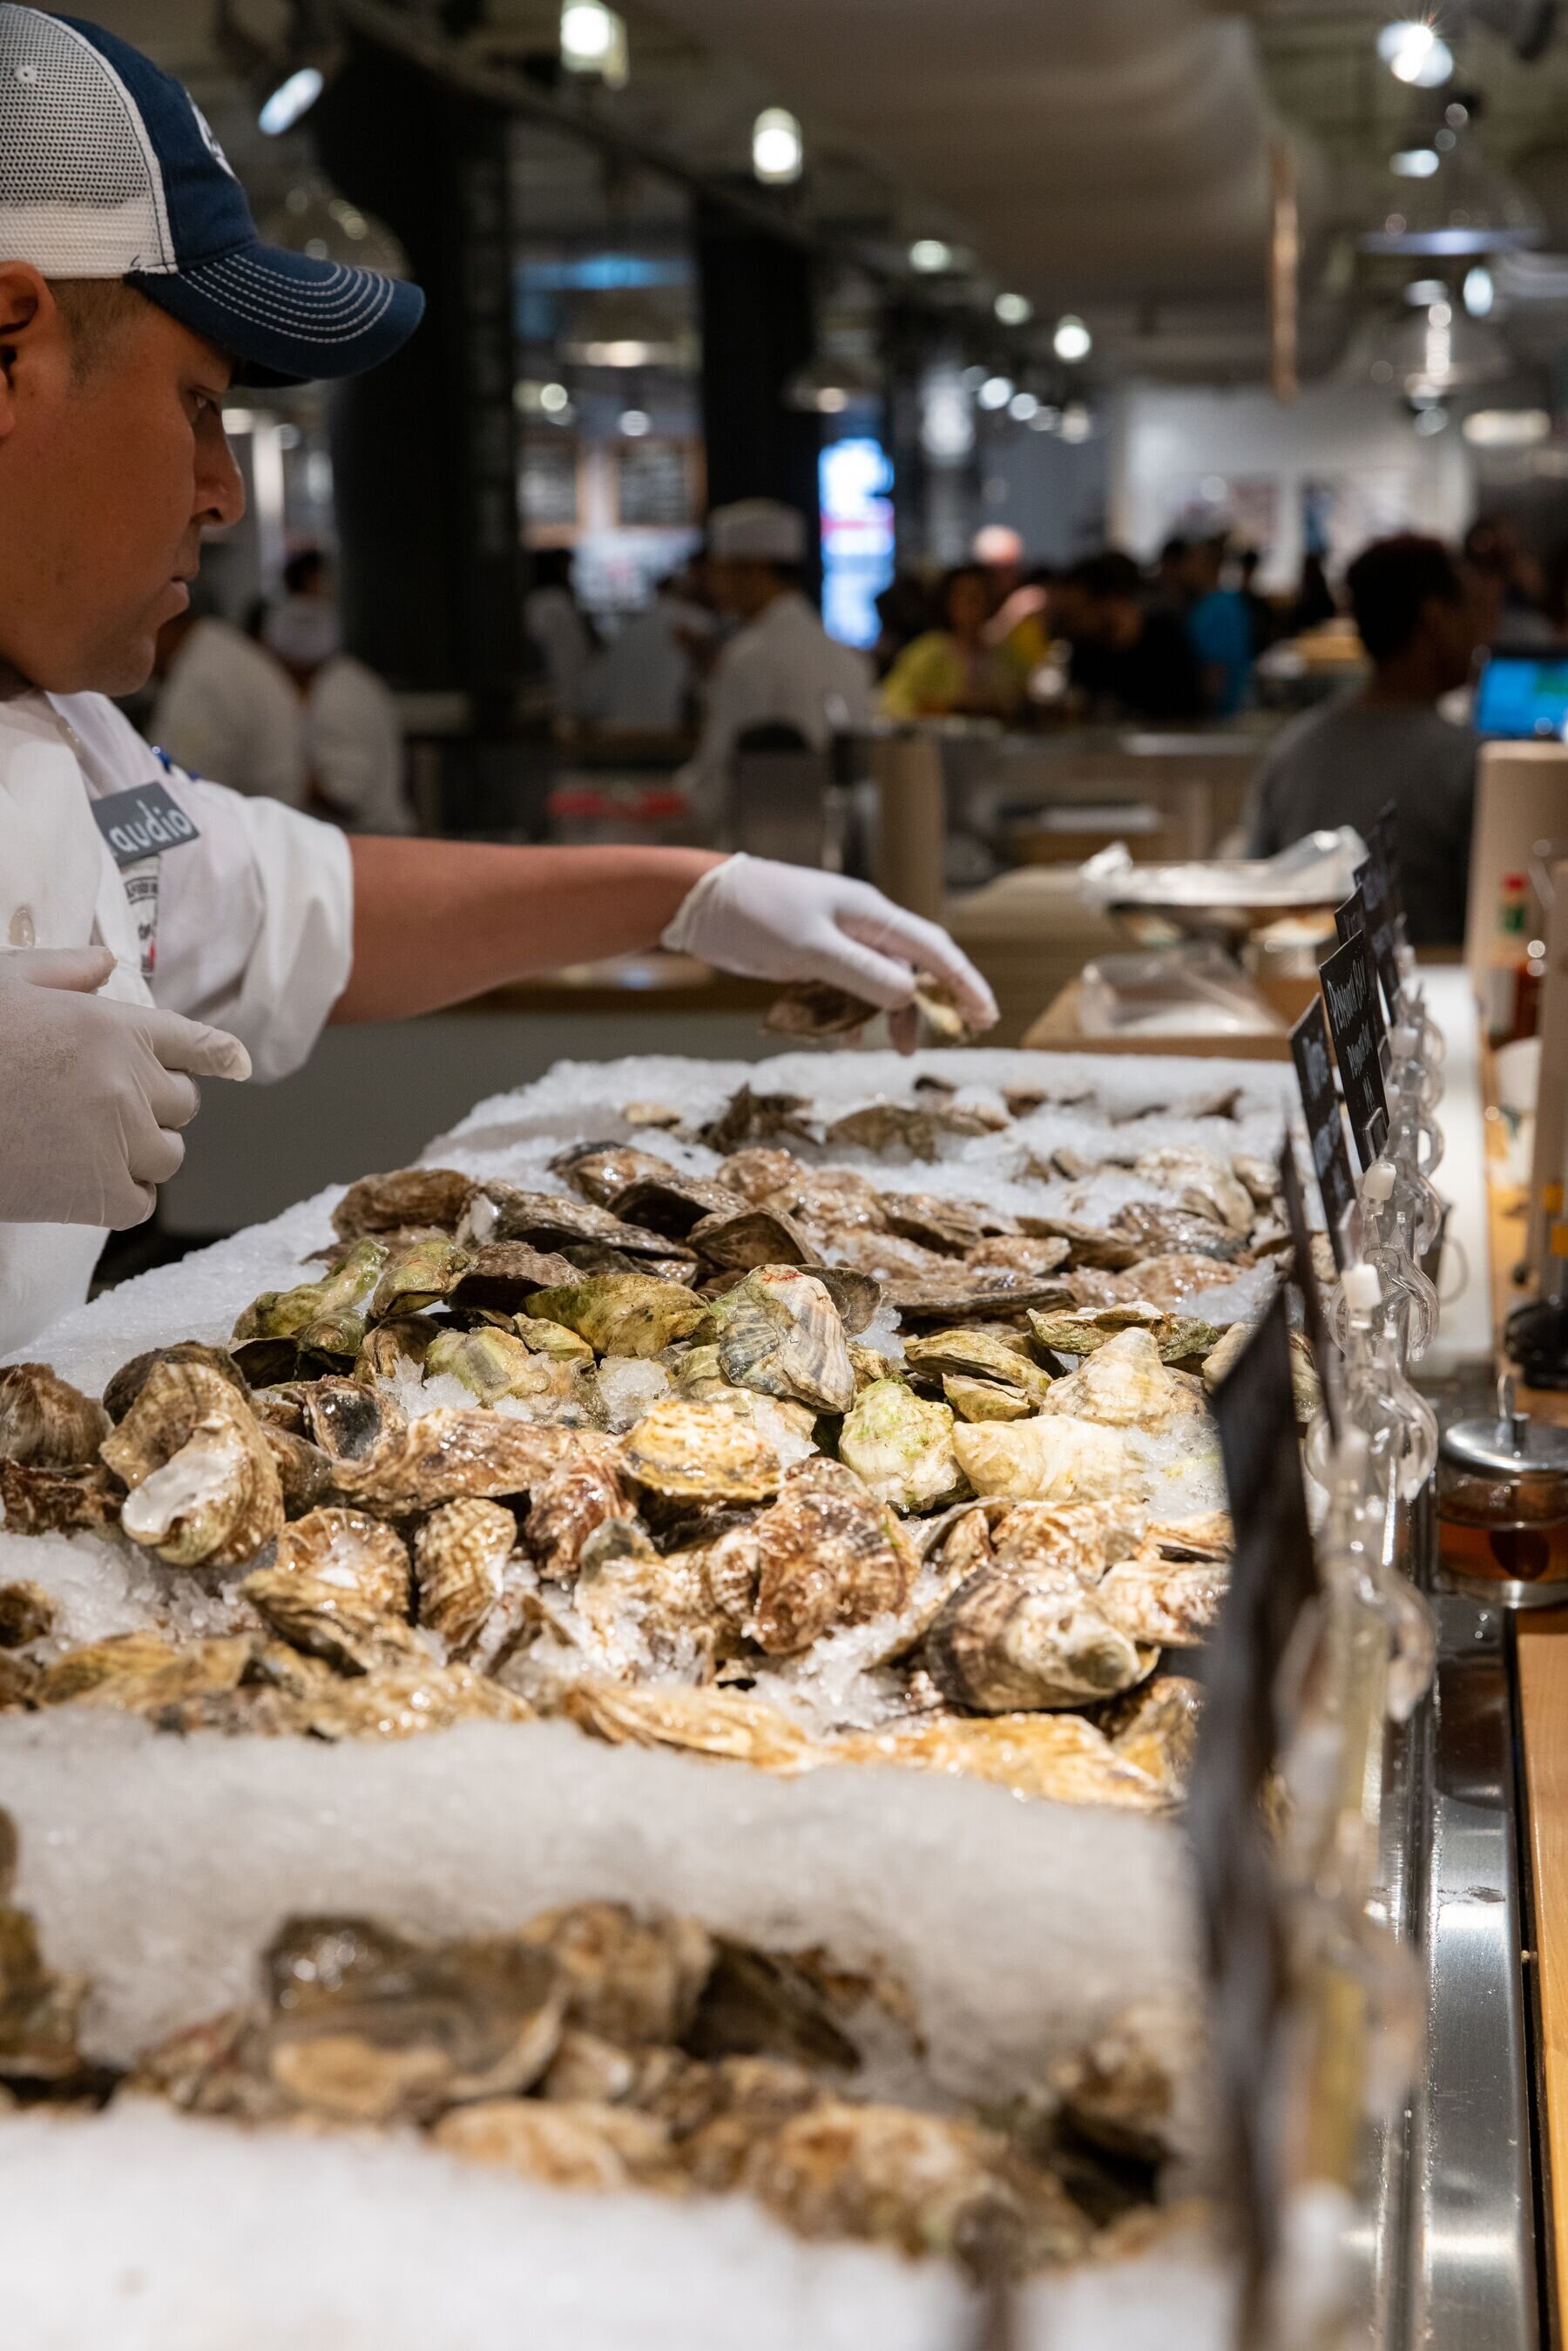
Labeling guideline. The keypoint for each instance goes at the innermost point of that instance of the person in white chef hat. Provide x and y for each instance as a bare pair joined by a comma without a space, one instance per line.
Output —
780,668
153,929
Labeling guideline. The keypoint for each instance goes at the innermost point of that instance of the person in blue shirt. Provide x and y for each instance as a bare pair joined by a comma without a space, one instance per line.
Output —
1220,628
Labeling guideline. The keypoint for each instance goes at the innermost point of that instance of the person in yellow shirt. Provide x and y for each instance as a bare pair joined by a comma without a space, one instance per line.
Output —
952,671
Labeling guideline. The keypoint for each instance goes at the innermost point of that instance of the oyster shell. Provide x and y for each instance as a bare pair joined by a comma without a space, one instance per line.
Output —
901,1446
57,1501
749,1117
741,1238
553,1220
1006,1643
139,1671
1051,1459
1176,1340
409,1195
921,2183
1157,1727
1048,1540
1166,1281
504,1275
631,1979
1176,1608
828,1554
1034,1257
643,1612
552,1340
284,1329
492,1364
129,1380
392,1347
885,1127
417,1276
402,1701
45,1423
352,1553
336,1622
205,1492
460,1555
304,1472
622,1313
1058,1756
1261,1177
669,1202
759,1171
449,1453
720,2112
598,1170
1202,1183
779,1333
712,1721
973,1399
952,1228
1123,1385
975,1353
950,1292
356,1427
27,1613
38,2009
1149,1231
816,1008
653,1114
562,2143
576,1496
685,1451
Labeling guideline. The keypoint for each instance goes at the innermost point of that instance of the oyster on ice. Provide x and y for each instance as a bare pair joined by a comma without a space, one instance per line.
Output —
57,1501
976,1354
1007,1644
828,1554
1123,1385
712,1721
664,1199
1174,1607
205,1492
901,1447
141,1671
1157,1727
130,1379
1201,1181
780,1332
740,1237
27,1613
417,1276
336,1622
449,1453
562,2143
577,1496
1052,1458
460,1556
631,1979
409,1195
622,1313
492,1364
358,1555
1058,1756
688,1452
45,1423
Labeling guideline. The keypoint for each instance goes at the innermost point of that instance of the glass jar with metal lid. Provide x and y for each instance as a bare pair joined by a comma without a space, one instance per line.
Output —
1502,1506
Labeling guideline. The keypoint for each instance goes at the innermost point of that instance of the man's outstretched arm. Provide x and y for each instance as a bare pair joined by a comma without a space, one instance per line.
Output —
436,922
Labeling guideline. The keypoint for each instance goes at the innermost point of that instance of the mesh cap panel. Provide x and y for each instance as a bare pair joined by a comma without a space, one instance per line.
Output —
80,191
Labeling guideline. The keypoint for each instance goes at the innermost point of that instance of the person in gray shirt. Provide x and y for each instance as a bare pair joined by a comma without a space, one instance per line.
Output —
1420,620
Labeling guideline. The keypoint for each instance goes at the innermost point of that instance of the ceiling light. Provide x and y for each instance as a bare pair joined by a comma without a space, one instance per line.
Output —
291,100
946,423
1480,291
1467,206
1415,163
1414,53
778,151
1507,428
635,424
1077,424
1022,406
929,255
1013,309
996,392
1427,354
1073,341
593,41
553,398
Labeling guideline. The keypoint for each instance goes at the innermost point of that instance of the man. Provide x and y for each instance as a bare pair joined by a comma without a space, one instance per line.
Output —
561,637
226,708
1420,623
350,731
1220,629
132,286
1139,659
780,668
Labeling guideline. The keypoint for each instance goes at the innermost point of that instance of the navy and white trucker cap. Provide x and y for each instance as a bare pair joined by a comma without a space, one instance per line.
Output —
107,169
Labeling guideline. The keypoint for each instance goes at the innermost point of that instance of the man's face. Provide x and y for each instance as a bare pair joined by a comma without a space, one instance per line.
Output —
108,473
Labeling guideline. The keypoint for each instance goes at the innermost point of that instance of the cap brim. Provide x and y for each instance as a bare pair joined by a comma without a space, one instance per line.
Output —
287,318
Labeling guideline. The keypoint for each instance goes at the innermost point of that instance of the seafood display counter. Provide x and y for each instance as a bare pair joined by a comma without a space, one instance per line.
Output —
592,1734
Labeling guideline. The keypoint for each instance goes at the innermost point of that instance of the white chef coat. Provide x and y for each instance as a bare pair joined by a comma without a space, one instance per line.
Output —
253,932
643,677
561,632
228,708
782,666
353,745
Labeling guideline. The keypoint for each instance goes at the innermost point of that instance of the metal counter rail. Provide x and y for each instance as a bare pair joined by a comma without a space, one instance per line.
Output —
1455,2252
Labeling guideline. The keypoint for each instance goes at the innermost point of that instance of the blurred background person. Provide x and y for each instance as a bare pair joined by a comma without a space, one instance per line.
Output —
781,671
905,610
1419,617
1220,629
1511,585
224,707
1136,659
1262,617
558,630
1314,600
646,675
352,734
954,670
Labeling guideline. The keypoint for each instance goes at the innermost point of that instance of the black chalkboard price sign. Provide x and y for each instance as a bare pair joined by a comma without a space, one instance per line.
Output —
1382,840
1350,995
1350,921
1325,1128
1372,883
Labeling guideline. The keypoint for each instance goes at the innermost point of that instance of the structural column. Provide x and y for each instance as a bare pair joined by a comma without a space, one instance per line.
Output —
759,327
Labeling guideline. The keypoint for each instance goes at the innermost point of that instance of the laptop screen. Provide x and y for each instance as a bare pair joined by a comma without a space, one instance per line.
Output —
1523,698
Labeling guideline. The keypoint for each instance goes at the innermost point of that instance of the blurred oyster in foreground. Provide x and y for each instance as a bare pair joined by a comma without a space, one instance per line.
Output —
1006,1643
45,1423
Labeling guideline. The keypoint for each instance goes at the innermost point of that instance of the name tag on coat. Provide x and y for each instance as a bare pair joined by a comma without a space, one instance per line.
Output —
145,822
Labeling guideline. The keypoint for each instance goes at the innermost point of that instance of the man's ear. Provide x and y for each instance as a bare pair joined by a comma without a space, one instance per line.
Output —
30,322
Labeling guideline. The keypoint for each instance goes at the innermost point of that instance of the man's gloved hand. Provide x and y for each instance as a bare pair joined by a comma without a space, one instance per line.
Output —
770,921
94,1091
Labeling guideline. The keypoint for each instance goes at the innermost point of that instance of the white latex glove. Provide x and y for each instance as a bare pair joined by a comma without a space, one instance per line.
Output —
770,921
94,1091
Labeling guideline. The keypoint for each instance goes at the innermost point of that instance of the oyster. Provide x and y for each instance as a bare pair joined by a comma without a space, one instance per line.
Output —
392,1347
401,1701
1168,1280
492,1364
1058,1756
1261,1177
622,1313
579,1494
358,1428
975,1353
1006,1643
504,1275
816,1008
771,2003
410,1195
598,1170
205,1492
460,1555
1157,1727
951,1227
552,1220
1149,1231
1202,1184
27,1613
973,1399
950,1291
758,1173
562,2143
1062,1332
1123,1385
1176,1608
669,1202
828,1554
139,1671
748,1117
901,1446
1034,1257
1089,1245
129,1380
1048,1540
712,1721
45,1423
318,1323
552,1340
644,1612
1051,1459
720,2112
353,1552
780,1332
419,1275
304,1472
38,2009
449,1453
740,1239
688,1452
629,1980
57,1501
883,1127
922,2183
653,1114
336,1622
